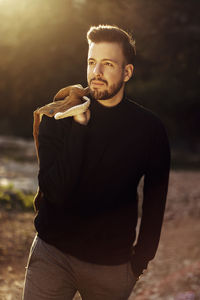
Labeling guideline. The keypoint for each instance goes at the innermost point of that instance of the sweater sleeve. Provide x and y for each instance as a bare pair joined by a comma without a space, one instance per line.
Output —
61,148
155,189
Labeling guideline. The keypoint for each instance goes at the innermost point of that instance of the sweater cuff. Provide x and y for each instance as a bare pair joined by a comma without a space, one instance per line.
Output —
78,131
138,266
79,128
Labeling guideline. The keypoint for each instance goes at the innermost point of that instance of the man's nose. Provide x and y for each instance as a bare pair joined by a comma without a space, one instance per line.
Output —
98,70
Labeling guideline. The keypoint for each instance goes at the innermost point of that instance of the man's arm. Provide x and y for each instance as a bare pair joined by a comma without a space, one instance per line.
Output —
154,199
61,150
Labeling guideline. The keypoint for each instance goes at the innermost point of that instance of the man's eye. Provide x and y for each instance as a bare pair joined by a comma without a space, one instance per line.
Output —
108,64
90,63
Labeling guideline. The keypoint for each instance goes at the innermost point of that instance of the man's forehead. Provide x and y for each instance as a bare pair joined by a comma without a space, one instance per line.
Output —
105,50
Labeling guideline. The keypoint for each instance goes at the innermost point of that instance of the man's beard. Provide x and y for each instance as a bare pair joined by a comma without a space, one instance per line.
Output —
107,93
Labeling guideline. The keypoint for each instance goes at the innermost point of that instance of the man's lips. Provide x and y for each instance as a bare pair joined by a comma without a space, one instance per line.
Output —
97,83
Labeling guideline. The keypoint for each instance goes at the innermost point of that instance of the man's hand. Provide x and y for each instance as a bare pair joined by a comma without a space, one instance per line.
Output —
83,119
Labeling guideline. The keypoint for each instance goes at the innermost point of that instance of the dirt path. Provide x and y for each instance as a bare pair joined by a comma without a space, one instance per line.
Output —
173,275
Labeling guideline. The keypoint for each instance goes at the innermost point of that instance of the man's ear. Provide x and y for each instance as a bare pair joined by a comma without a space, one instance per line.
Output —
128,72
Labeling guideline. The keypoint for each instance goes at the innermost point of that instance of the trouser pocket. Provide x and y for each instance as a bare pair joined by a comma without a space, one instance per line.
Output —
131,277
32,253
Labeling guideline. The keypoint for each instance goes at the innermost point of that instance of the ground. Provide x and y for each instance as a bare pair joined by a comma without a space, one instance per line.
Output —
173,275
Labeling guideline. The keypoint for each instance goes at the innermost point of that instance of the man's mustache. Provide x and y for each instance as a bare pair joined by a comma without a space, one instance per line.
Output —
98,79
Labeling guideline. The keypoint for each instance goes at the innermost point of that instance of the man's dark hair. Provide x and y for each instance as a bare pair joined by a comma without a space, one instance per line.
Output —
114,34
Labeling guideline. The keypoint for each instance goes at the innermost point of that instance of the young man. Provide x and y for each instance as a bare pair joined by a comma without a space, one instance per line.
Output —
90,167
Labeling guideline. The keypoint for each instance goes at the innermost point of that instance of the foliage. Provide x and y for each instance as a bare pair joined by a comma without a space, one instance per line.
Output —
10,198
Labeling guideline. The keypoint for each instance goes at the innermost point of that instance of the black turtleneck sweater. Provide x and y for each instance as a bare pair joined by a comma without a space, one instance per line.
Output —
89,177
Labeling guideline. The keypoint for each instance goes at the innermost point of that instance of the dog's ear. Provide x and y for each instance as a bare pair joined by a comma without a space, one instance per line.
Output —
36,123
76,89
62,94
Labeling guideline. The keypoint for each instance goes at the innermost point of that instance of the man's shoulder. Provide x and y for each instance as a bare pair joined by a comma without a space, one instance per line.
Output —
142,113
148,122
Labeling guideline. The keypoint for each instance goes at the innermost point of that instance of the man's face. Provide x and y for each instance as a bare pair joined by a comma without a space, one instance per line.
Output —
105,71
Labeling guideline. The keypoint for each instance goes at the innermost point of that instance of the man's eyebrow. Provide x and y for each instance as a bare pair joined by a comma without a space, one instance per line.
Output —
112,60
105,59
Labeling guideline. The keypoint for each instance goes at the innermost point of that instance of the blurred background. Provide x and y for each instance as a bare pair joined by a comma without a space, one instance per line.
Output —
43,48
